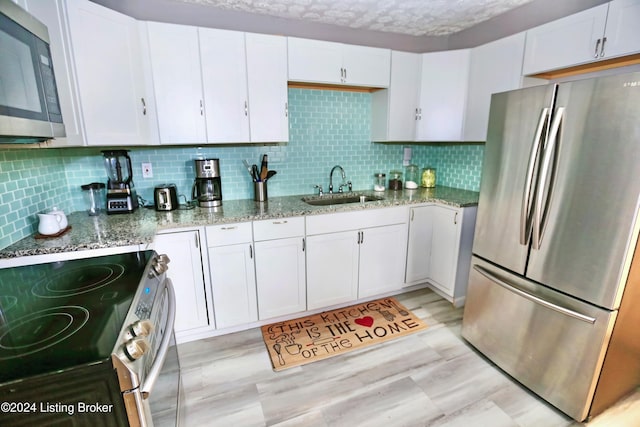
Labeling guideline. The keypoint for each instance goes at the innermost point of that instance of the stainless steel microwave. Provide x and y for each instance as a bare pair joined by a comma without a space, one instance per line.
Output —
29,105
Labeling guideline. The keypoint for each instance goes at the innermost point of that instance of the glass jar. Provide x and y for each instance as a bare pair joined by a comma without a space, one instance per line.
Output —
428,177
379,182
94,197
395,180
411,177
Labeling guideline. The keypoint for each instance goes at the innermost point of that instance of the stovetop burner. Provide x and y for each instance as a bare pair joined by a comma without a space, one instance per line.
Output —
40,330
76,281
59,315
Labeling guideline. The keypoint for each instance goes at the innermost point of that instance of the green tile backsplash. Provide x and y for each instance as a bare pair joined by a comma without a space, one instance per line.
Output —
326,128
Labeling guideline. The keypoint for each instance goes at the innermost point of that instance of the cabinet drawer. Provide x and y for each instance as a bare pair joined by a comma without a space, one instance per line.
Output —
345,221
279,228
228,234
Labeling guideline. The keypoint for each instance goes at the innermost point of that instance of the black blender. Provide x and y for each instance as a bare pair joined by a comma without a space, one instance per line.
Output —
121,194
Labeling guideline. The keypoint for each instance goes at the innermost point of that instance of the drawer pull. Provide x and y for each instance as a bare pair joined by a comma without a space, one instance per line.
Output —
228,228
280,222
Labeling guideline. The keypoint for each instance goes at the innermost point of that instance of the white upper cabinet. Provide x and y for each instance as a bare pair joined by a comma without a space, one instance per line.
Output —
443,93
316,61
267,86
494,67
395,110
602,32
224,80
177,81
51,13
110,76
623,29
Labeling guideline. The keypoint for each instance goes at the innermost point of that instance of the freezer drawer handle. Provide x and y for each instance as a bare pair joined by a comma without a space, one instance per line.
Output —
533,298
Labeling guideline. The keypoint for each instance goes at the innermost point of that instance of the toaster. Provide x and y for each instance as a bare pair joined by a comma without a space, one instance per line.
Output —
165,197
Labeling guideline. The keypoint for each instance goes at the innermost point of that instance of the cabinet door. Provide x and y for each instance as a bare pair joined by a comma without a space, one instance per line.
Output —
494,67
445,242
175,64
267,83
382,259
395,110
280,277
110,77
224,80
332,269
51,13
623,31
186,273
314,61
233,282
419,245
564,42
366,66
443,91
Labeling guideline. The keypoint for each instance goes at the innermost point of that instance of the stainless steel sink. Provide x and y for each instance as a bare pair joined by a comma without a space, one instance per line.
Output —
339,199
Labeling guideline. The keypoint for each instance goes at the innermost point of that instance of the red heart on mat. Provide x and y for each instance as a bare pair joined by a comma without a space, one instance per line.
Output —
365,321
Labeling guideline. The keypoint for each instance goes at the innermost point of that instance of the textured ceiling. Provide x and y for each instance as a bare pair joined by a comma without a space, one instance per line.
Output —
410,17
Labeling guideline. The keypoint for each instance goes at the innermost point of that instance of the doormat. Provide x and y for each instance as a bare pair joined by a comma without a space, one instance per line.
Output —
319,336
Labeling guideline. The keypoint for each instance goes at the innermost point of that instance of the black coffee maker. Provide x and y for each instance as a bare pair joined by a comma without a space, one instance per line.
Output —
121,193
207,189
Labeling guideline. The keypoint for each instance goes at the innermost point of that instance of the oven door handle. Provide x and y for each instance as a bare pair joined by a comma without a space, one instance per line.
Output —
154,372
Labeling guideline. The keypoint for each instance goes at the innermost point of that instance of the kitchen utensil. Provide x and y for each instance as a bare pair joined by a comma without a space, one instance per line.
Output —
270,174
264,168
255,173
165,197
93,195
246,165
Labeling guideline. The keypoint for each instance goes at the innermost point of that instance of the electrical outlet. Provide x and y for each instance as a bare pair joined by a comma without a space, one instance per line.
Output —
147,170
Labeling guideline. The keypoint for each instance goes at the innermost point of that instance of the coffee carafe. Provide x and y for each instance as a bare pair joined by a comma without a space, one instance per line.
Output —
121,193
207,188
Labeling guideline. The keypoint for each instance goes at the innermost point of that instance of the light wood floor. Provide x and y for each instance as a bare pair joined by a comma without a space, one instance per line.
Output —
431,378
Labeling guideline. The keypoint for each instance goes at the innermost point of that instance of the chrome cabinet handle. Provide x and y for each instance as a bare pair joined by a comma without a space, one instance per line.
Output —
604,40
595,54
280,222
246,108
201,108
304,245
228,228
197,240
251,251
568,312
455,219
144,107
286,109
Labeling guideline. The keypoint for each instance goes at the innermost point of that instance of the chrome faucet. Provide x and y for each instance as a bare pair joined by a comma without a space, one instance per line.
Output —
331,178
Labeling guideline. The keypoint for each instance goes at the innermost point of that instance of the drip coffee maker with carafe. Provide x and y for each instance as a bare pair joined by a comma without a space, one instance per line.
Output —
121,193
207,189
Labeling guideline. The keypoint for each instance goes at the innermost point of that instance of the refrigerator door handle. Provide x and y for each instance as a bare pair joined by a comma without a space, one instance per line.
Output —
525,212
540,208
562,310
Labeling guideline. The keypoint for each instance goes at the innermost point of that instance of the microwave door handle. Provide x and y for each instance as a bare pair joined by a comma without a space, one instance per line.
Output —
525,211
540,208
154,372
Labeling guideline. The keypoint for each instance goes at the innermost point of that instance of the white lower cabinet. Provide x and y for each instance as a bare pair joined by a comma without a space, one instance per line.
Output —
233,278
280,266
355,255
187,272
439,249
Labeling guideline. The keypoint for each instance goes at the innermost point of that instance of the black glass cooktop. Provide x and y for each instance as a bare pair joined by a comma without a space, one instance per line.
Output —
63,314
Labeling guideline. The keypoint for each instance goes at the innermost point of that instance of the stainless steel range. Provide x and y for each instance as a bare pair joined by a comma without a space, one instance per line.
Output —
83,342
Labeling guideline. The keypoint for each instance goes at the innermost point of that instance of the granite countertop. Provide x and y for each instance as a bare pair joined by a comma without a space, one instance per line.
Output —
140,227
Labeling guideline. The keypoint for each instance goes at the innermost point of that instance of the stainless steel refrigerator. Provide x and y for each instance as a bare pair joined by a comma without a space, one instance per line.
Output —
554,288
